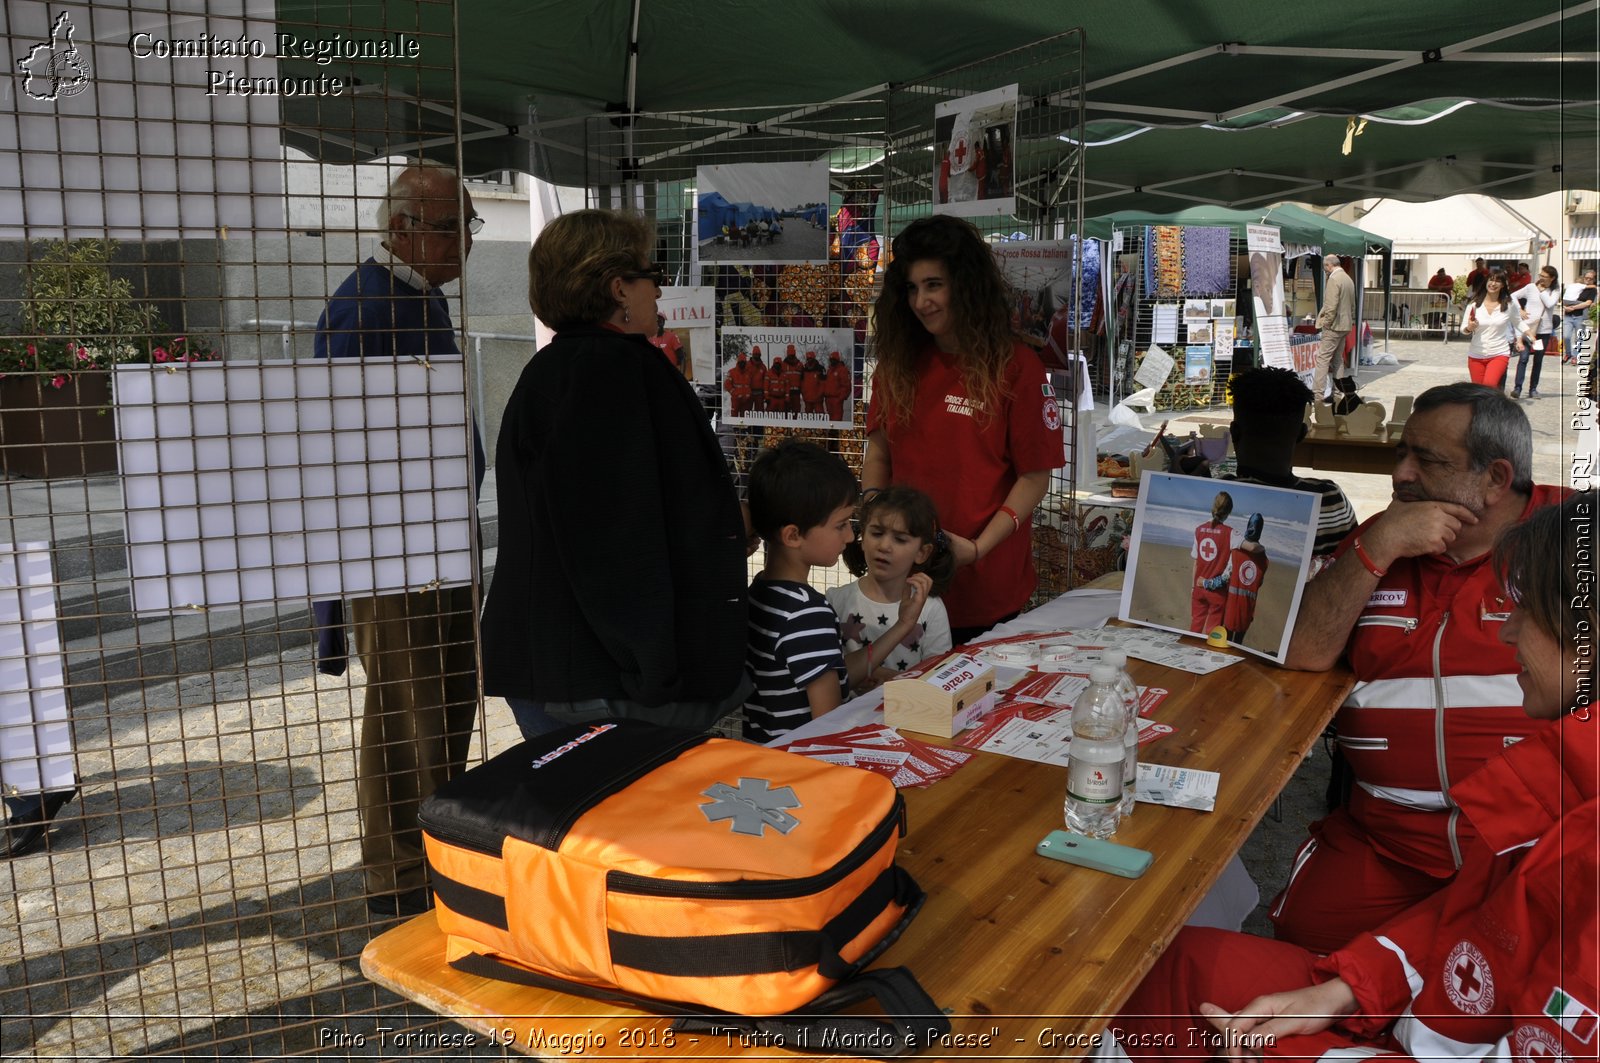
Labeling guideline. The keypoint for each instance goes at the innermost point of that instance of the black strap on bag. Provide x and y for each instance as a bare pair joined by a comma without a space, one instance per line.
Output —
911,1019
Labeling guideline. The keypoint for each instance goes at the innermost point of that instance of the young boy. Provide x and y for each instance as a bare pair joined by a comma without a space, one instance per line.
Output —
801,501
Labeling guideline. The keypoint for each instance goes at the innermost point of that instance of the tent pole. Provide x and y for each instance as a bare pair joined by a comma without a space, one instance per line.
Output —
631,185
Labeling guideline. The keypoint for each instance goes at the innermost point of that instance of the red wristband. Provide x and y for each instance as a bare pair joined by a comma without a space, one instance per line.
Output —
1367,562
1016,521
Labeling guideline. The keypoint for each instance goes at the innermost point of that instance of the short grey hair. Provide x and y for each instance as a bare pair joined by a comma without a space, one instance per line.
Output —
407,188
1330,260
1497,428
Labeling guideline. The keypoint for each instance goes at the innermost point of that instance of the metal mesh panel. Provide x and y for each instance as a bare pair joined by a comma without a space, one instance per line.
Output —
1044,158
203,889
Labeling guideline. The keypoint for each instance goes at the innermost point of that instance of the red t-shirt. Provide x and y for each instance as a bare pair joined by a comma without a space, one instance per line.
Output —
670,345
968,465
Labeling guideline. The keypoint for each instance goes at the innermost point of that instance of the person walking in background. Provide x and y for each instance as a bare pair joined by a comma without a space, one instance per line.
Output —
1336,319
1492,322
964,412
1577,337
1538,301
417,648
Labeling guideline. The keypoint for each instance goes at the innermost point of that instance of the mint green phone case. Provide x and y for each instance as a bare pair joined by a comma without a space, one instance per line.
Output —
1094,853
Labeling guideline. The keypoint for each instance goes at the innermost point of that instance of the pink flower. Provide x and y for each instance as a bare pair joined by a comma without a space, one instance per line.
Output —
177,339
33,352
58,382
161,354
84,355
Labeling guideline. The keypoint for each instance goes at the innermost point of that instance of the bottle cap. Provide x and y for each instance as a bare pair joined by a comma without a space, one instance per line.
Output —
1115,657
1102,673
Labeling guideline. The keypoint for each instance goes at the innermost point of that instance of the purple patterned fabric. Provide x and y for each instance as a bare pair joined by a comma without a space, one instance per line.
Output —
1205,260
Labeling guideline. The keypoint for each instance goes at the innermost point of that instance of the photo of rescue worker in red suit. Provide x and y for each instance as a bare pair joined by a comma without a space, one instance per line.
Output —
972,165
1199,558
786,376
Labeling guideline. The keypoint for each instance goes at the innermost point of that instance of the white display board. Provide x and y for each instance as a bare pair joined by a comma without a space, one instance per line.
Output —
35,735
254,482
124,121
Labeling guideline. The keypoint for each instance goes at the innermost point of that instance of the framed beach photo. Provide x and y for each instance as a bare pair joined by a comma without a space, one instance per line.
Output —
1208,554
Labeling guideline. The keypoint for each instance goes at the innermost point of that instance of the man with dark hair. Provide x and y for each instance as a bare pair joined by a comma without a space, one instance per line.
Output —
417,648
1479,274
1414,604
1269,406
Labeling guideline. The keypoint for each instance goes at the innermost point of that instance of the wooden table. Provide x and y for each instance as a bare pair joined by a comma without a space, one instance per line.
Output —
1030,955
1343,454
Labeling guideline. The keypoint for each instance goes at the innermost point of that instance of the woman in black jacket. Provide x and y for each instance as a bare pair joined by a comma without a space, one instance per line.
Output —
619,589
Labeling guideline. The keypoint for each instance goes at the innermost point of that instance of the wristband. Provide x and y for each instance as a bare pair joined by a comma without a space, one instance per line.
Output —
1016,521
1367,562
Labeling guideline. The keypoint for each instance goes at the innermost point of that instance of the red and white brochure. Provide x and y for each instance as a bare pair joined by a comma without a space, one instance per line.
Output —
906,762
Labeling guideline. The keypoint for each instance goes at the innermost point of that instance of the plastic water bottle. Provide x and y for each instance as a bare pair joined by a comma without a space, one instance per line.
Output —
1118,659
1094,761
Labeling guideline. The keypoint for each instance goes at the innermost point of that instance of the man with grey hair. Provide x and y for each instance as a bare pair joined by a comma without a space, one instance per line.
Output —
1336,319
417,648
1413,603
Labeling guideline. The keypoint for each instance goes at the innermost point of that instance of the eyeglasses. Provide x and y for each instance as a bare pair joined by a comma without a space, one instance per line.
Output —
451,225
649,271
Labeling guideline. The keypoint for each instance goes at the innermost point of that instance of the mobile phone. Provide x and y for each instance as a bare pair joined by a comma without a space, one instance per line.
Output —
1095,853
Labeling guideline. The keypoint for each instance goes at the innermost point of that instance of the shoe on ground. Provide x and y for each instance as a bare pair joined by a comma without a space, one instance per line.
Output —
1516,393
402,905
28,824
1534,395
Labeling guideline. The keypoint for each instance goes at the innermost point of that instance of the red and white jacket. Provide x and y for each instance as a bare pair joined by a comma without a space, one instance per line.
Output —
1436,696
1502,963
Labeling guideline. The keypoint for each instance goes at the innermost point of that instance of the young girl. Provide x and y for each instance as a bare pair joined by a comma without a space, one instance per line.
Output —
899,536
1493,321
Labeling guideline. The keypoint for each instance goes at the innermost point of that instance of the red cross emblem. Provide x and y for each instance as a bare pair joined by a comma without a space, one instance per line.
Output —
1469,981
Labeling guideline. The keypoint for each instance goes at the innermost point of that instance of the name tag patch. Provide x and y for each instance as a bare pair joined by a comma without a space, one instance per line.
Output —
1386,599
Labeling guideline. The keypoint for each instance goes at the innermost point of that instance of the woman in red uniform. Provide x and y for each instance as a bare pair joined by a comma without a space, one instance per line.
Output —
1499,964
964,413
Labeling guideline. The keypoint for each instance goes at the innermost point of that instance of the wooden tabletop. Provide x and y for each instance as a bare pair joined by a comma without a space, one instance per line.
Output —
1029,955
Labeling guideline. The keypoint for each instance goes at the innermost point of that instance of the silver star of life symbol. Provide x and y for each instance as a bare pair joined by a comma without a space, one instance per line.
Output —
753,806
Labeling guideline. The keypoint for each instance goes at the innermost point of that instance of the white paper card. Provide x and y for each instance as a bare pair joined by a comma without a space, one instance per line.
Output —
354,480
35,734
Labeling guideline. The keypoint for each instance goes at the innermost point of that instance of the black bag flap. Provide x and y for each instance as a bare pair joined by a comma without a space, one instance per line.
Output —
536,790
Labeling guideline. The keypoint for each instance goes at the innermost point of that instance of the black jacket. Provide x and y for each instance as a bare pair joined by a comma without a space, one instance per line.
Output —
621,569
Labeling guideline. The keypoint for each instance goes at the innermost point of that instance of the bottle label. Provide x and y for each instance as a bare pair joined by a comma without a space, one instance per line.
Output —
1093,783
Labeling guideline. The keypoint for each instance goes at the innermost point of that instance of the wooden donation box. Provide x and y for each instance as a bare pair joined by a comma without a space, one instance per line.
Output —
943,702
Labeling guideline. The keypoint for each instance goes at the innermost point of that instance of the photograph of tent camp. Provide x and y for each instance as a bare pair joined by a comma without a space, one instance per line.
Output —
763,212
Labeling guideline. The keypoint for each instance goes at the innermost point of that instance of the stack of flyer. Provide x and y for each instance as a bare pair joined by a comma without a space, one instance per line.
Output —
904,761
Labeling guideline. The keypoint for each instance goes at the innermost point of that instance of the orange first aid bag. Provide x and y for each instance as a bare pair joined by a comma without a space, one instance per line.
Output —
671,870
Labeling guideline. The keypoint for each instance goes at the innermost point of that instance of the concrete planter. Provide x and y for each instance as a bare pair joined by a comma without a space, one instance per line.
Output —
57,433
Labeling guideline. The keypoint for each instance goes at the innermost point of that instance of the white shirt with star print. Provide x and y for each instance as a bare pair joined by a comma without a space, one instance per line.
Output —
862,620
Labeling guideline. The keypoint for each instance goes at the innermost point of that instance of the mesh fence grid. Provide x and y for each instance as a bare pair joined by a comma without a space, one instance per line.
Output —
185,479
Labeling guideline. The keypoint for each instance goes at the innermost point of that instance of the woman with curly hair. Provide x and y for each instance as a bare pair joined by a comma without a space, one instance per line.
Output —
964,413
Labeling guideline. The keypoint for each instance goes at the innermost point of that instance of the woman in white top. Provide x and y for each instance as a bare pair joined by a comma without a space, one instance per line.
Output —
1539,301
1492,320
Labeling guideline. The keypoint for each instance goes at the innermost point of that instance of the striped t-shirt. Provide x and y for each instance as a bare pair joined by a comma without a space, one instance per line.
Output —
794,638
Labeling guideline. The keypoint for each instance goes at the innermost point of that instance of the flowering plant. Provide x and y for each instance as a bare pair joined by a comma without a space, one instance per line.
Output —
55,360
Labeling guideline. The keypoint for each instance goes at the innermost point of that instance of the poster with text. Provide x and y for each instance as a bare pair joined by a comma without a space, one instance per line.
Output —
770,212
1208,554
1266,293
788,377
686,320
1197,364
973,139
1040,274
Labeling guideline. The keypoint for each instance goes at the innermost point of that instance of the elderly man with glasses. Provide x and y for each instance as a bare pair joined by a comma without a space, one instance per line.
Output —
421,700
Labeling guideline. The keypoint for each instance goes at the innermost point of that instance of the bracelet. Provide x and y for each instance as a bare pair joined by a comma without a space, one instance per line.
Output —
869,494
1367,562
1016,521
